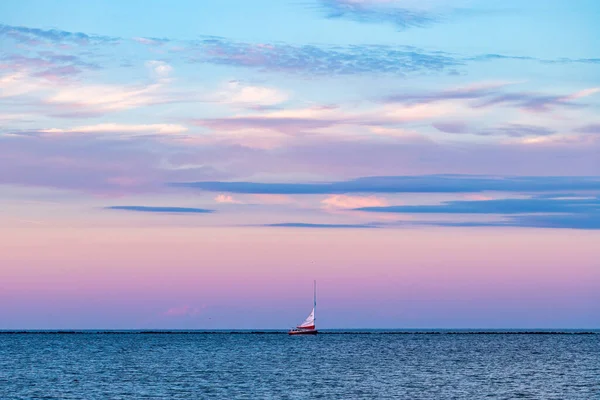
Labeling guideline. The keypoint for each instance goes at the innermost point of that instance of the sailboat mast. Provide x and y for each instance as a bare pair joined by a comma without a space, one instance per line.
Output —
315,303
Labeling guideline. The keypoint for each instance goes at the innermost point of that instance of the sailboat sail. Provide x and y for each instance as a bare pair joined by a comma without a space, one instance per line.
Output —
309,322
308,326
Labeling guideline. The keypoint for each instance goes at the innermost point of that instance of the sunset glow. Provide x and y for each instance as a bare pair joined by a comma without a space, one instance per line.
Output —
431,164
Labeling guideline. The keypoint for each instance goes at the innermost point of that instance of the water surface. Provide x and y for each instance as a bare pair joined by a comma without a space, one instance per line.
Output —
276,366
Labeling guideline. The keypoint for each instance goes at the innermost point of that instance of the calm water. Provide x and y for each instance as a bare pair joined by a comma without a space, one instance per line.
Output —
270,366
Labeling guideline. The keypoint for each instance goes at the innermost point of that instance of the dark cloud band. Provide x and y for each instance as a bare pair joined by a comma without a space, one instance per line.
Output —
407,184
173,210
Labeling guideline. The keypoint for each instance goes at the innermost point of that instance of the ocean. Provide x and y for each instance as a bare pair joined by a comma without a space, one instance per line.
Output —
272,365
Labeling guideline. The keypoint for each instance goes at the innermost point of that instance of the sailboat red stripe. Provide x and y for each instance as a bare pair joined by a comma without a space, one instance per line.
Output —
305,327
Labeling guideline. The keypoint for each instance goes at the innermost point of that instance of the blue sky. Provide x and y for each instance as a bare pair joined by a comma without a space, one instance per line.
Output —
133,98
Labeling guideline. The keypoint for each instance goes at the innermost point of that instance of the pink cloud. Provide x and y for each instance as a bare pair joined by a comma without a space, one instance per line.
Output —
344,201
126,129
223,198
344,205
236,93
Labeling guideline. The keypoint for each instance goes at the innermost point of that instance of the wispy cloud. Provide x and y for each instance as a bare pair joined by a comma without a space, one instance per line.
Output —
227,199
99,99
377,11
408,184
497,206
298,121
347,202
170,210
46,64
568,221
544,211
320,226
35,36
119,163
72,98
243,95
539,221
310,59
160,69
484,96
591,128
510,130
451,126
321,59
561,60
151,41
125,129
114,165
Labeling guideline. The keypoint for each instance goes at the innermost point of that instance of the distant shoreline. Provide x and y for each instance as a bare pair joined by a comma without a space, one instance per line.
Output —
284,332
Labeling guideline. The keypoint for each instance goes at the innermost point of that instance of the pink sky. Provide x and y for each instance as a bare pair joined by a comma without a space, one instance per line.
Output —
243,277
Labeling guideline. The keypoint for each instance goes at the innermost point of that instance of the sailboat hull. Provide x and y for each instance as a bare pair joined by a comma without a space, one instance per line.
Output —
303,332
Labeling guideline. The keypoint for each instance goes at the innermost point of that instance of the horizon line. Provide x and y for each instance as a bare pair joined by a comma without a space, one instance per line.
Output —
552,331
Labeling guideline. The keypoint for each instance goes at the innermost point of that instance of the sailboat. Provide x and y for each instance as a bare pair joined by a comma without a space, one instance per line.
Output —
308,327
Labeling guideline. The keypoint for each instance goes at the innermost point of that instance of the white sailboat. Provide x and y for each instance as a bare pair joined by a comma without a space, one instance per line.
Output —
308,327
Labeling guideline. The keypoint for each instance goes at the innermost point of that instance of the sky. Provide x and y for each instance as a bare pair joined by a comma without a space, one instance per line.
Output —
196,165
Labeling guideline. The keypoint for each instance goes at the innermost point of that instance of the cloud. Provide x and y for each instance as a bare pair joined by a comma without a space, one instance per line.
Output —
72,98
560,60
320,226
127,129
239,94
146,163
223,198
46,64
151,41
115,165
284,125
160,69
408,184
377,11
510,130
171,210
584,93
451,127
516,130
497,206
529,101
487,95
320,59
312,59
298,121
591,128
468,92
559,140
564,221
544,211
569,221
34,36
348,202
100,99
